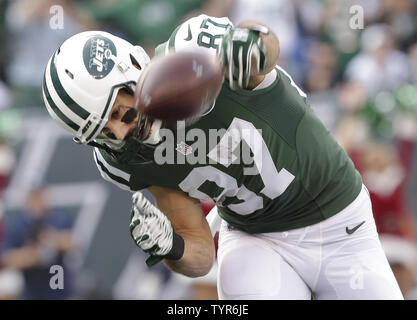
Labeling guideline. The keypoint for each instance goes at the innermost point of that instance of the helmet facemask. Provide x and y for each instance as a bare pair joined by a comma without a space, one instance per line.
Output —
139,147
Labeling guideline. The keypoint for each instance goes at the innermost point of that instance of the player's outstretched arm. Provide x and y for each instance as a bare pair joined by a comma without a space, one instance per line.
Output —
271,44
249,52
250,59
177,231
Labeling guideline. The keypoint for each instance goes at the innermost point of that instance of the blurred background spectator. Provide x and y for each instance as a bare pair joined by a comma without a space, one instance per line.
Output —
385,177
280,16
148,22
34,241
361,81
32,38
379,56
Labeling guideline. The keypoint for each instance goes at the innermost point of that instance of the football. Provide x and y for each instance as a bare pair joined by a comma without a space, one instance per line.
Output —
179,86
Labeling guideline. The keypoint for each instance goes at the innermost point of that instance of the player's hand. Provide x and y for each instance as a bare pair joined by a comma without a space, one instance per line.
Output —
243,54
152,231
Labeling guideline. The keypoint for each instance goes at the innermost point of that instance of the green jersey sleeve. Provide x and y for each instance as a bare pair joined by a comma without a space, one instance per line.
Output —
116,173
201,32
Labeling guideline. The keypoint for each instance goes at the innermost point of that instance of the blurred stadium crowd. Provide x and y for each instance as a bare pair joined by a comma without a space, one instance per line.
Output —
362,83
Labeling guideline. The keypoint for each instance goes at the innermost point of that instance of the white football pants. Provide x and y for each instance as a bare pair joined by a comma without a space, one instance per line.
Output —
321,261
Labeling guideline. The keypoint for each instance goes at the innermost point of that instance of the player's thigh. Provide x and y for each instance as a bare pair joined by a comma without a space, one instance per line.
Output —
249,269
354,265
357,273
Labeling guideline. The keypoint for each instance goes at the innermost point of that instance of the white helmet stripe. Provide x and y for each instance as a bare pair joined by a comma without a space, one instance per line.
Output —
68,101
50,104
59,108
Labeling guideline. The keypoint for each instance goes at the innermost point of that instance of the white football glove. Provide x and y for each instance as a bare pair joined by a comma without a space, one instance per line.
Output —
150,229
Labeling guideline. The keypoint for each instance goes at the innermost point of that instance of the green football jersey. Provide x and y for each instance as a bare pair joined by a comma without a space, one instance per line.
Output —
262,155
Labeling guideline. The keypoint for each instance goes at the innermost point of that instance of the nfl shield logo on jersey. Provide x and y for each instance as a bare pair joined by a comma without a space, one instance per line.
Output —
184,148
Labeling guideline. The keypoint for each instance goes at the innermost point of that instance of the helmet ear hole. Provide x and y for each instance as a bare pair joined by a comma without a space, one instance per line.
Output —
135,62
69,74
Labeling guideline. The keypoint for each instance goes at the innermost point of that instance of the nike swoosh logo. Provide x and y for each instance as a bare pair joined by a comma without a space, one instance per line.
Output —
190,35
350,231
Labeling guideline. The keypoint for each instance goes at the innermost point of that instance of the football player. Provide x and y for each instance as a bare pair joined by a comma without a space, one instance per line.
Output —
300,225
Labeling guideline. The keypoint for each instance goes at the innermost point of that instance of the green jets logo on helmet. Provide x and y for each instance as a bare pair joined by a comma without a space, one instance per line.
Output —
97,54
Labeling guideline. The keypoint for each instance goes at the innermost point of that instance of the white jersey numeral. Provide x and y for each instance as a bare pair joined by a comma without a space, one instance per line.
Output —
275,182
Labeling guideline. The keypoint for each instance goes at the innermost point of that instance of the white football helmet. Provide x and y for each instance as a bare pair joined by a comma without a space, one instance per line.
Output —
82,79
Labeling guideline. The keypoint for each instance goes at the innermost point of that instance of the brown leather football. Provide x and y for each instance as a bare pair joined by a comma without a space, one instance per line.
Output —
179,86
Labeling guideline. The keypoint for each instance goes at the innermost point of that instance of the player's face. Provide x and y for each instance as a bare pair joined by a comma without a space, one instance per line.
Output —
123,118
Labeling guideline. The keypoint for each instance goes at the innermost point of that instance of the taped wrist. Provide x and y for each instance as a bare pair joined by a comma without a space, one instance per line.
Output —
177,250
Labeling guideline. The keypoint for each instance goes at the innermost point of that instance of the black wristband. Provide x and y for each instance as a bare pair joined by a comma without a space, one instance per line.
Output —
177,250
